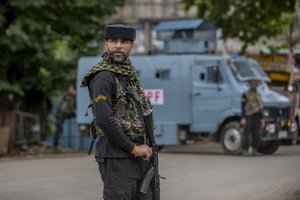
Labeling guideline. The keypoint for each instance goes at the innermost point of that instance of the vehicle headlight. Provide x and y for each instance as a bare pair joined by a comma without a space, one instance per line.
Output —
266,113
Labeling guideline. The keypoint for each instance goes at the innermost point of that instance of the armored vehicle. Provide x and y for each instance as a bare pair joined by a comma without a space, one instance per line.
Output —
196,95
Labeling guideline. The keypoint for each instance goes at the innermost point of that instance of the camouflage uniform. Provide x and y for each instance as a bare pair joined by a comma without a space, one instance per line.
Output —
252,111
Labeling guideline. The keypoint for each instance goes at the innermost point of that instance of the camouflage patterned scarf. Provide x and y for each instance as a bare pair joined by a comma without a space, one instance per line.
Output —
125,69
106,64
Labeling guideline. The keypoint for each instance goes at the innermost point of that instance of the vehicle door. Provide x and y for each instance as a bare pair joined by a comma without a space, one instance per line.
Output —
211,96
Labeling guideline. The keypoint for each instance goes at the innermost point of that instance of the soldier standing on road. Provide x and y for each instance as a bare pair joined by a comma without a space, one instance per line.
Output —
66,110
252,118
118,99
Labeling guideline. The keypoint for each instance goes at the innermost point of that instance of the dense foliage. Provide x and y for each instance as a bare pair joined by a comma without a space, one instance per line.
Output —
40,41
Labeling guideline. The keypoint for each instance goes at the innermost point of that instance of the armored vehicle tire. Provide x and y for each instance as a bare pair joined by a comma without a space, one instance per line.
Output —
269,147
231,138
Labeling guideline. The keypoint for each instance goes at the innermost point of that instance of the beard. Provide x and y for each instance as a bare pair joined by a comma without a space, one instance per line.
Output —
117,56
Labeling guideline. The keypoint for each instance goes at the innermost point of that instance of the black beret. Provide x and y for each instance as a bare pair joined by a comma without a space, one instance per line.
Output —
119,31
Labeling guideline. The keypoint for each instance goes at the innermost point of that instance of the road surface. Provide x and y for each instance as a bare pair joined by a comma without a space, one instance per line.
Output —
193,173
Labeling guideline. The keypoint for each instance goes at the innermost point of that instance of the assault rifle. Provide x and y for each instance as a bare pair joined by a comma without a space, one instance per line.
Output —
152,175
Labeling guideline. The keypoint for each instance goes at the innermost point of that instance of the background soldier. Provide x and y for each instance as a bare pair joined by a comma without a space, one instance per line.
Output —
252,118
66,110
118,103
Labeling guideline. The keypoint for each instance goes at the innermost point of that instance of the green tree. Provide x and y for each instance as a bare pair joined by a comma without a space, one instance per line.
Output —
247,20
40,41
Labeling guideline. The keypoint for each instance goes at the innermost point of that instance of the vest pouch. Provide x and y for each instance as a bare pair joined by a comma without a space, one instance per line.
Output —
126,125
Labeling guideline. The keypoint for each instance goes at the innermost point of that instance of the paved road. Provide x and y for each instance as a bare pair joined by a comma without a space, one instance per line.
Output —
192,172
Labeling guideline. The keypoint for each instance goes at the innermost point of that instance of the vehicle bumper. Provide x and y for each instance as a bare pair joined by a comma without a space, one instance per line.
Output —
277,131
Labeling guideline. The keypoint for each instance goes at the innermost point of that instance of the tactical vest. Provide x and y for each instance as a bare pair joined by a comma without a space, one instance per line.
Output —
128,110
253,103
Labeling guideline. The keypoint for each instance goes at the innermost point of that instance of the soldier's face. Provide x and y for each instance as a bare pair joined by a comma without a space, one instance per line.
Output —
253,84
118,49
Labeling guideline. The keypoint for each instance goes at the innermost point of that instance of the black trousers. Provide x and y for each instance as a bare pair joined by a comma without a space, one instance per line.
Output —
122,178
251,132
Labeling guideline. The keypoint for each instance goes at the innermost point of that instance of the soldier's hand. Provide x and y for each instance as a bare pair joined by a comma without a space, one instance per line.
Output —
144,151
243,121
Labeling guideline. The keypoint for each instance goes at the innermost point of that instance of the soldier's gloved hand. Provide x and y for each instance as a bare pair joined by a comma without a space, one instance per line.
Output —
144,151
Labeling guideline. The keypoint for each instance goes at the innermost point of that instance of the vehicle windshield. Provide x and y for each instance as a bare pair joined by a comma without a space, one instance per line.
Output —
246,70
260,71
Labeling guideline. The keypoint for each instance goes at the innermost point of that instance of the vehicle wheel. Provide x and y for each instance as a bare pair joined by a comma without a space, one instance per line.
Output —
231,138
269,147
